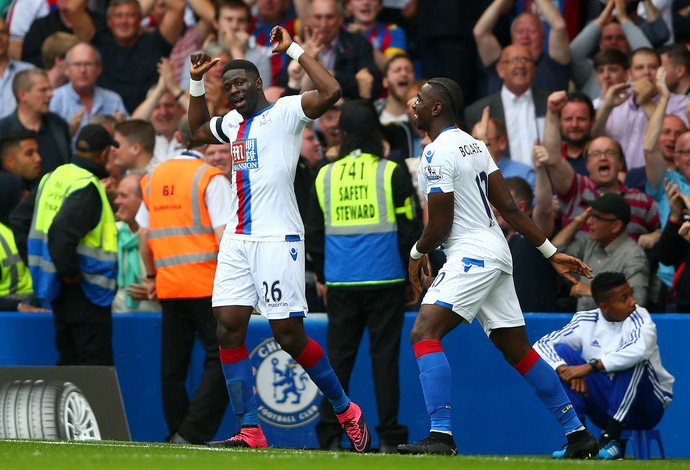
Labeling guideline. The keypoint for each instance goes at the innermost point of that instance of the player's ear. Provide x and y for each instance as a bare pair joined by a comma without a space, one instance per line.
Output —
437,108
259,84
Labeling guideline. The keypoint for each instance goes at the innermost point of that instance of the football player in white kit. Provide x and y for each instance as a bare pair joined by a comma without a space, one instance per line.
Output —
460,179
261,255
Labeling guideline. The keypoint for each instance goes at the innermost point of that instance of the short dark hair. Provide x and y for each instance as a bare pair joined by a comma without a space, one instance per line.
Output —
605,282
368,142
521,188
235,4
12,140
393,58
138,131
241,64
677,55
611,57
451,92
579,97
647,51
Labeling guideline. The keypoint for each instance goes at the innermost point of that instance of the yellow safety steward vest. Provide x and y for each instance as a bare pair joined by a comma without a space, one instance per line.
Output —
14,276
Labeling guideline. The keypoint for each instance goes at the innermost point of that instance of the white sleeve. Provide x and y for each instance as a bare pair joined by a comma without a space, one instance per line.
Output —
22,13
142,216
637,347
440,172
217,198
569,335
218,125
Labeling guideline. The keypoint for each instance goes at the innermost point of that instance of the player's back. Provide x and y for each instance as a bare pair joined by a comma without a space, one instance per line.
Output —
456,162
265,150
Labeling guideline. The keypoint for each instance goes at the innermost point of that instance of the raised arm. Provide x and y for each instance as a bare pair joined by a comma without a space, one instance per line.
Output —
559,43
82,24
327,92
198,114
614,96
487,44
542,213
561,172
654,161
173,21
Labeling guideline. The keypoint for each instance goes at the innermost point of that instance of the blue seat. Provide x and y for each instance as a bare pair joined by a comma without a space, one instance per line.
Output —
641,440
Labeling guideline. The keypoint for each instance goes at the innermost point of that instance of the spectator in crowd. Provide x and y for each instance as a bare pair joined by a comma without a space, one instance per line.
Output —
132,294
326,127
387,39
521,106
72,250
164,106
311,159
536,283
124,45
33,94
552,66
663,162
604,160
135,153
79,100
607,32
45,25
674,245
179,236
219,155
610,68
53,52
607,248
675,59
398,75
348,56
20,156
623,115
493,133
681,21
271,13
576,120
233,22
360,294
608,360
9,68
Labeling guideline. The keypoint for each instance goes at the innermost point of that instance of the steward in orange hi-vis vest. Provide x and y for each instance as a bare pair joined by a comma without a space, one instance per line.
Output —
181,237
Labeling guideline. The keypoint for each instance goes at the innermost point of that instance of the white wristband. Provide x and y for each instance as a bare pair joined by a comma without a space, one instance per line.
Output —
414,254
295,51
547,249
196,87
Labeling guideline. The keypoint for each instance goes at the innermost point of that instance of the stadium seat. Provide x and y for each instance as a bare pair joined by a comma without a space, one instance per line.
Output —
641,440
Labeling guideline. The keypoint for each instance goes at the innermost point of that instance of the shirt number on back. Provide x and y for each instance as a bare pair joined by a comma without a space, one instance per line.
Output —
482,184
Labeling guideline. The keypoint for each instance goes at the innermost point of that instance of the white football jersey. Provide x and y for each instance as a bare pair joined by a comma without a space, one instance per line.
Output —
265,150
456,162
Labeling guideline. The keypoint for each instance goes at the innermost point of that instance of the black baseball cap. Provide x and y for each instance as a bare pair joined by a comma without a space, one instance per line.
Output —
614,204
94,138
358,117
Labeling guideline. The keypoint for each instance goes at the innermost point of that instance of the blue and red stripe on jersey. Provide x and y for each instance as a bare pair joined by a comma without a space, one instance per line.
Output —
244,189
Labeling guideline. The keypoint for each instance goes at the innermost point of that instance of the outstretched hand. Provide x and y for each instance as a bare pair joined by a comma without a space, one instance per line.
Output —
281,37
566,264
200,64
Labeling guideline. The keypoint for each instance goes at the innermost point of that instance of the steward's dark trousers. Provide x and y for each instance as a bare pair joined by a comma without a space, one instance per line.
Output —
198,420
381,311
83,330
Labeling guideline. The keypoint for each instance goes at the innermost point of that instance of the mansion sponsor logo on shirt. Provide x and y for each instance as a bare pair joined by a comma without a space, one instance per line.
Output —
244,155
286,395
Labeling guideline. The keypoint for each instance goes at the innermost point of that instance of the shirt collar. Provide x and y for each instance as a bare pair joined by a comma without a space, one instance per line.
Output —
506,94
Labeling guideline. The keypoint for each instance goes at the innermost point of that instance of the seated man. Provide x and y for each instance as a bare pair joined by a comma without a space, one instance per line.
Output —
617,379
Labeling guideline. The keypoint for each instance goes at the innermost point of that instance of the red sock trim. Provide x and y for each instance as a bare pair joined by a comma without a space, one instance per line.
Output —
311,355
428,346
229,356
527,362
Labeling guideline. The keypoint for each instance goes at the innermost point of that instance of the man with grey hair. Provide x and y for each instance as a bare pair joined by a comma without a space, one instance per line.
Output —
80,99
33,93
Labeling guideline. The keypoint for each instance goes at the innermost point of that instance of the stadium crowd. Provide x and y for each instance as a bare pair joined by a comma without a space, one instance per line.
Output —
584,106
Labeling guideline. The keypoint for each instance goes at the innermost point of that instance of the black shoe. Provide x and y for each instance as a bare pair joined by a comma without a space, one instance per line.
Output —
437,443
581,445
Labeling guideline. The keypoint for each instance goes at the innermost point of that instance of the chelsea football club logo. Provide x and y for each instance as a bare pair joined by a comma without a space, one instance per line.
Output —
285,394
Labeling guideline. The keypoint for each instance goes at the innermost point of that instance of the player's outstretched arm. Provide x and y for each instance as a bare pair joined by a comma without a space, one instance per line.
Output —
198,111
328,90
501,199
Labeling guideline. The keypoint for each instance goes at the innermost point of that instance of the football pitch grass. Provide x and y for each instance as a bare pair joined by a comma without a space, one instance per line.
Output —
109,455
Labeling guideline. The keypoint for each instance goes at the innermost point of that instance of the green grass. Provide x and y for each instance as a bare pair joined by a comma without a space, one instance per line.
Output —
108,455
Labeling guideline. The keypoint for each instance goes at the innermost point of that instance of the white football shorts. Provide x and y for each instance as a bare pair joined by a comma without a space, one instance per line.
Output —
472,290
266,275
